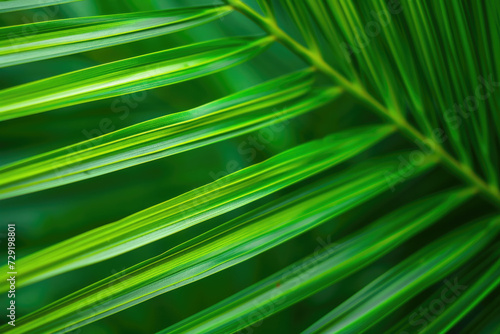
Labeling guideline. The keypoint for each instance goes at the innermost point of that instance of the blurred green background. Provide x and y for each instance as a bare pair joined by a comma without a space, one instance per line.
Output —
46,217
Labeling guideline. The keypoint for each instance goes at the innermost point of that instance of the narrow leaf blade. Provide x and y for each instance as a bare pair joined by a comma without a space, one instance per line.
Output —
219,197
37,41
484,286
379,298
234,115
308,276
130,75
216,250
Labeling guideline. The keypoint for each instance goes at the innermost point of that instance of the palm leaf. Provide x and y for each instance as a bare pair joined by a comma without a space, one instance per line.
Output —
234,115
198,205
314,273
408,278
216,250
441,94
456,296
129,76
64,37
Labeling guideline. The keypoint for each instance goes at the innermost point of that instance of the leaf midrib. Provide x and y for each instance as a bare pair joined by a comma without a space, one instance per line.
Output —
489,192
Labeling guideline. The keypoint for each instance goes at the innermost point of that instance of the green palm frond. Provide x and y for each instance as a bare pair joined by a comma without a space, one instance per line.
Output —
428,70
231,116
234,190
64,37
314,273
482,288
408,278
478,279
129,76
218,249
